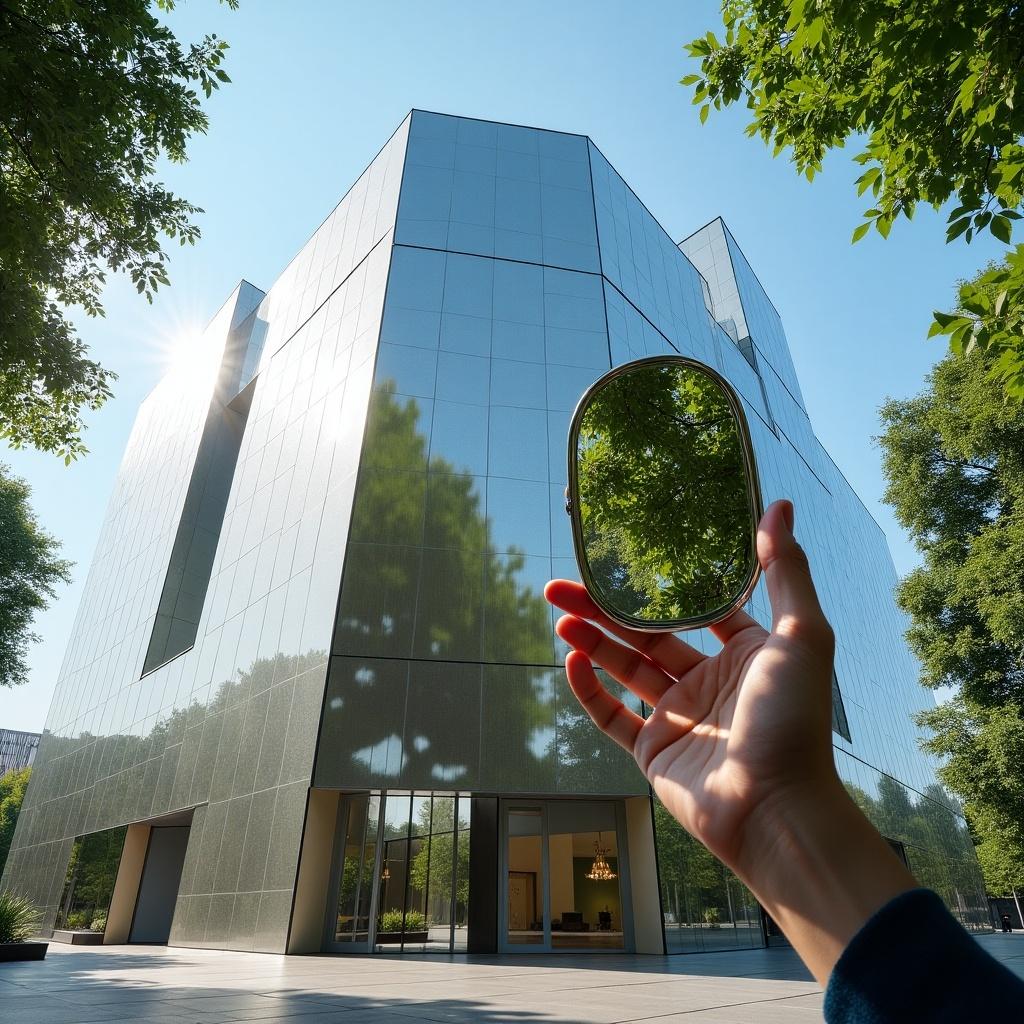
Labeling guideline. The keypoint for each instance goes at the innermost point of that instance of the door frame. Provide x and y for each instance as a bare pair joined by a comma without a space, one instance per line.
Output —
506,804
330,942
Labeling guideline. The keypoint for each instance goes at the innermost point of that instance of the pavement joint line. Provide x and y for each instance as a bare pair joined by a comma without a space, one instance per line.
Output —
722,1006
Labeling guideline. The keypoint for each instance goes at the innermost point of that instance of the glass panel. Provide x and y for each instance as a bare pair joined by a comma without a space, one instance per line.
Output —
355,886
525,878
705,906
583,867
394,871
460,919
89,883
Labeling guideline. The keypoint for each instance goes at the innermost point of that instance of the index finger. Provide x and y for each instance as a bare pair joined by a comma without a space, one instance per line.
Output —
668,652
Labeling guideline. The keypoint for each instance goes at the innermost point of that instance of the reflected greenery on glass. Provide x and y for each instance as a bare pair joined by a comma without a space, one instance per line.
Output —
665,500
705,905
89,883
938,847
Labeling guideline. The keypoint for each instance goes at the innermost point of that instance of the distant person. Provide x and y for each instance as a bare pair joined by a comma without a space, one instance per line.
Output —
738,747
1005,918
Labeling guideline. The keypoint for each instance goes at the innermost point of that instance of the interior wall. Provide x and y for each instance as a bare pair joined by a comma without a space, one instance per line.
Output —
643,871
311,888
126,886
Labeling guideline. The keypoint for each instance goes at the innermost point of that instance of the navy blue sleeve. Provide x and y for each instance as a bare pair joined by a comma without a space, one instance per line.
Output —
913,962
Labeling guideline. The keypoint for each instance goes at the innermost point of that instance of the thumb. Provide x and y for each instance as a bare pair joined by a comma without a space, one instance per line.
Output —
795,607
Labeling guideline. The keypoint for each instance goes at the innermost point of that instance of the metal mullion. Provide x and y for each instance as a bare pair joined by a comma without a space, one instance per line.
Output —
455,873
371,936
408,865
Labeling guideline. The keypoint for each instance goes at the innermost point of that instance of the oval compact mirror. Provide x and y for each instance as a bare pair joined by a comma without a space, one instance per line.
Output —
663,495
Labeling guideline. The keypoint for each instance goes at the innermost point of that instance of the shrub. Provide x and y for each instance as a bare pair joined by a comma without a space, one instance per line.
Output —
99,923
19,919
78,920
391,921
712,917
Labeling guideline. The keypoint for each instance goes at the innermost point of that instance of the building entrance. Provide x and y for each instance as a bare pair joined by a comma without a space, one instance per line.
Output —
565,877
400,876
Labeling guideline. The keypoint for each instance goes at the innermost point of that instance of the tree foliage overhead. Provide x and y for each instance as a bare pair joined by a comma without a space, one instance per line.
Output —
936,90
91,97
29,571
954,465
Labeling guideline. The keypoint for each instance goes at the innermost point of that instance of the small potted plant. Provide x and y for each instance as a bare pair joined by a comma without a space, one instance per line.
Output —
19,921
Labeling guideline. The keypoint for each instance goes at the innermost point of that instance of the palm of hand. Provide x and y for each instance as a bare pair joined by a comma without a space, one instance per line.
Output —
728,734
736,730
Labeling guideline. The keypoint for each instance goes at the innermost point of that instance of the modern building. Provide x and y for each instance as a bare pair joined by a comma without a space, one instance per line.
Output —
313,699
17,749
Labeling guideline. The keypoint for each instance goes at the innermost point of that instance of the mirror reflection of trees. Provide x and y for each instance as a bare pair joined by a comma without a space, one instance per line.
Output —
425,579
89,883
935,840
663,494
705,906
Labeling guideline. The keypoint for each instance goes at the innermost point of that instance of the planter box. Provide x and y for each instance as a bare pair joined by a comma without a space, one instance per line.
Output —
396,937
11,951
78,938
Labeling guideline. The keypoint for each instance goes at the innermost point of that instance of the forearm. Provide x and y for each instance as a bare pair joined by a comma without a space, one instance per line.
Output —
819,867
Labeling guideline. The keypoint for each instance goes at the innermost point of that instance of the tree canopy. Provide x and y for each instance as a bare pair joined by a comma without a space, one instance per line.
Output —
934,88
29,572
954,464
12,795
92,96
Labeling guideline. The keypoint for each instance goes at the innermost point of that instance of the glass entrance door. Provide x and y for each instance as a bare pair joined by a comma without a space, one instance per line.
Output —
565,877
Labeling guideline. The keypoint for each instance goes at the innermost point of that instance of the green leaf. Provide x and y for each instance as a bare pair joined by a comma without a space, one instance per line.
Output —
704,112
860,231
1001,228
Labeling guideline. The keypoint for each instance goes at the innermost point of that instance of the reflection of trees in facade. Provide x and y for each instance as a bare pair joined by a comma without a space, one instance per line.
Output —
423,577
91,874
668,542
936,841
697,889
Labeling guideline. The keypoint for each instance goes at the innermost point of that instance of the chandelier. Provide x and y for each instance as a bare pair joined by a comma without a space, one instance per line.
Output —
599,870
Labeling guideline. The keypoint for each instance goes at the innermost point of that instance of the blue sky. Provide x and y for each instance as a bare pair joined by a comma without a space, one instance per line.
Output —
319,86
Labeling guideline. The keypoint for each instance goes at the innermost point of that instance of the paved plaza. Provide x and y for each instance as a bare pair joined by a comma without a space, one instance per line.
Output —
173,985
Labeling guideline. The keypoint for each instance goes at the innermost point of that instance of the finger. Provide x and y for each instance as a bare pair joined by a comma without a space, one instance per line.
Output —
668,652
627,665
725,630
610,715
795,606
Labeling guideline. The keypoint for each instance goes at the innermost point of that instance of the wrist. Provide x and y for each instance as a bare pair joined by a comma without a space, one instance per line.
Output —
819,867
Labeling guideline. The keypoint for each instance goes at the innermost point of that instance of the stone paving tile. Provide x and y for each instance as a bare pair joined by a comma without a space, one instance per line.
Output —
185,986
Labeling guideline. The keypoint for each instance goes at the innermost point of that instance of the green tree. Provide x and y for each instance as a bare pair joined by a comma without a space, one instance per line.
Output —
12,795
934,88
29,571
954,464
91,97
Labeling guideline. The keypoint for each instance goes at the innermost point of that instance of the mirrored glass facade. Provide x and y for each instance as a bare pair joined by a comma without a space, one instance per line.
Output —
361,611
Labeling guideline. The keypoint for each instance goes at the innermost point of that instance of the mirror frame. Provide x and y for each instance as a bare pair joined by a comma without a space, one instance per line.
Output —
753,494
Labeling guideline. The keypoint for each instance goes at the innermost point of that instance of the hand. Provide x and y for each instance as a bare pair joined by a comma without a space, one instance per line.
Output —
729,733
738,745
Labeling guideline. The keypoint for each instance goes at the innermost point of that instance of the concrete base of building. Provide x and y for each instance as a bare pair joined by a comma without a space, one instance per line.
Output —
75,938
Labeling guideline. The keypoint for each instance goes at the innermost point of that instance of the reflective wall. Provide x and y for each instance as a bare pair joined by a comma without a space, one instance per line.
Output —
395,508
446,669
229,726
